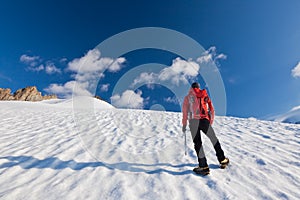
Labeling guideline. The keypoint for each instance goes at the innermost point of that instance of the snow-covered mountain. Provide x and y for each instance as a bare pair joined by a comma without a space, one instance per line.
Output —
48,150
293,116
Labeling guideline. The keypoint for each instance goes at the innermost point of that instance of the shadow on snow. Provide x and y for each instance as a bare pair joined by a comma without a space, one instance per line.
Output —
29,162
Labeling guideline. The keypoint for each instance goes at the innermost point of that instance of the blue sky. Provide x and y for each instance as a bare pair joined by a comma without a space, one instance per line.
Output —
258,42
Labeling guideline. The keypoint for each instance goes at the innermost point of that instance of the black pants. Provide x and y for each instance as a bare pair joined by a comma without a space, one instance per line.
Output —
196,126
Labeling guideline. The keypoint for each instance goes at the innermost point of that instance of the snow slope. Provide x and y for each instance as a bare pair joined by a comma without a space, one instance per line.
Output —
50,151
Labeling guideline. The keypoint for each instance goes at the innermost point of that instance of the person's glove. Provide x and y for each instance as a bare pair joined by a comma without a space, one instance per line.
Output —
211,119
183,128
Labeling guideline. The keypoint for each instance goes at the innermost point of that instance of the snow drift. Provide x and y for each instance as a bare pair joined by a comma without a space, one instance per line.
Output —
48,150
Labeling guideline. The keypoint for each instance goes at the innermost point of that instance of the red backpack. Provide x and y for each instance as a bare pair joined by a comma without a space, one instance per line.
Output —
197,106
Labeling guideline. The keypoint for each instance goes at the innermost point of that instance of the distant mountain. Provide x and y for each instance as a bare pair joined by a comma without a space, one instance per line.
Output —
25,94
292,116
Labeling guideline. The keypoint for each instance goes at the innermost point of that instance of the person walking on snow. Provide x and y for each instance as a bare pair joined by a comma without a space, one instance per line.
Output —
197,108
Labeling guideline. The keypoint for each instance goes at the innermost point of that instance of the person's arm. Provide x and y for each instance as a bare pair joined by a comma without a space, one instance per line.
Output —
211,110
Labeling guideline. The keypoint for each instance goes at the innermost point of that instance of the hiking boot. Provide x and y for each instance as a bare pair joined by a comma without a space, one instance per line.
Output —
201,170
224,163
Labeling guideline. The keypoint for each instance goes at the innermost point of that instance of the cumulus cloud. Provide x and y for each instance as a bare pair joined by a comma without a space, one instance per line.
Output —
93,62
33,63
30,60
67,90
86,71
296,71
116,65
36,68
128,99
36,64
179,72
61,89
52,69
211,55
91,67
104,87
147,78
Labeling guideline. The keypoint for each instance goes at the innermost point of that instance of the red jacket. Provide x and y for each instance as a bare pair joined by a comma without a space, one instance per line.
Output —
197,106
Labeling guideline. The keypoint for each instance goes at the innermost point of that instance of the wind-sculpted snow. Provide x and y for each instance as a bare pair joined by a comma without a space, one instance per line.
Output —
49,151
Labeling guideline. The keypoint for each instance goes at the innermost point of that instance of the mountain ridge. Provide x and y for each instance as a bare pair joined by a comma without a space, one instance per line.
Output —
292,116
29,93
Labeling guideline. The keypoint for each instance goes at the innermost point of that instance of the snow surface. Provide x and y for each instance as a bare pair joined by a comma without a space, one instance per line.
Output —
48,150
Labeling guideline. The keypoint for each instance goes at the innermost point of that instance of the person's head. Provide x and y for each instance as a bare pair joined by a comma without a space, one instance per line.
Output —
195,85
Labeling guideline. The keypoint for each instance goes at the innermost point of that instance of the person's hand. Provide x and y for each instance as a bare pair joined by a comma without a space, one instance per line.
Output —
211,118
211,121
183,128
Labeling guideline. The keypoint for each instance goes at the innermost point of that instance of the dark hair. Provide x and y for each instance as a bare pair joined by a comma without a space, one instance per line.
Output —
195,85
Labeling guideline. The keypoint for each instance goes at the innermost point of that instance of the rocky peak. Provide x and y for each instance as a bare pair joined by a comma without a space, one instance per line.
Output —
25,94
5,94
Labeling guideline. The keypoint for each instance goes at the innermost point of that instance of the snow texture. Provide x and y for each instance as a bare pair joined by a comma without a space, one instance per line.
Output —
50,151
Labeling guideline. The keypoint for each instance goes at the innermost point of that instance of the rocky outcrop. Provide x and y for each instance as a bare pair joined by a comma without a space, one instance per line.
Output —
5,94
97,97
51,96
26,94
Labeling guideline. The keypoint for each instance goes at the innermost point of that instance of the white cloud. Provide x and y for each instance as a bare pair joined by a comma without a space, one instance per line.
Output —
29,59
179,71
295,108
91,67
36,64
145,78
205,58
211,55
93,62
63,60
116,65
86,72
104,87
221,57
128,99
171,100
61,89
296,71
5,77
36,68
52,69
66,90
32,62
